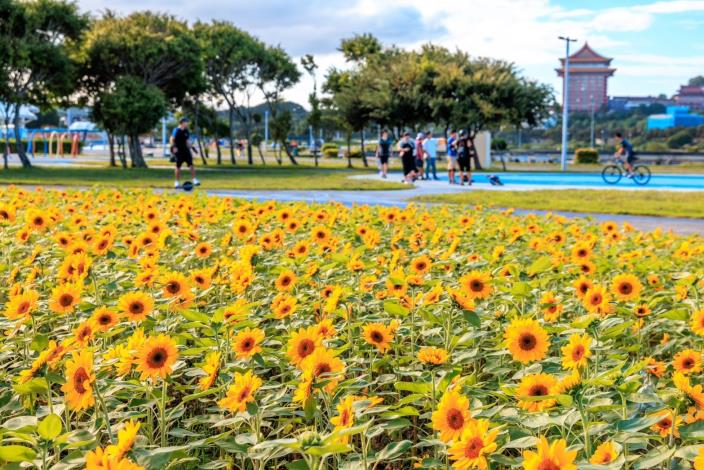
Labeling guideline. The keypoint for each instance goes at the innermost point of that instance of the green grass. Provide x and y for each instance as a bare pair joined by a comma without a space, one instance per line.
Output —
260,177
657,203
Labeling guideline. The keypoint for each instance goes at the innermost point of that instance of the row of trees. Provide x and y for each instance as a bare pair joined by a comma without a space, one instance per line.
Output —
433,86
133,69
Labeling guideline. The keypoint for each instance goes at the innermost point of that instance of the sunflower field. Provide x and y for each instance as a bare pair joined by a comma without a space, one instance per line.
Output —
144,330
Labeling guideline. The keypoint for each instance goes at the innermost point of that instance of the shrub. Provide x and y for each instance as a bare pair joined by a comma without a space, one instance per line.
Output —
499,144
586,155
680,139
330,150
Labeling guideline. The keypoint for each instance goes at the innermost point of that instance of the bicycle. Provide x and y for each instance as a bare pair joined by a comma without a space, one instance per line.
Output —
612,174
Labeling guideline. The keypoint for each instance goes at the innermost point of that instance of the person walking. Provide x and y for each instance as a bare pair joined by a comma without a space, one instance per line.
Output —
430,149
452,165
406,150
180,144
383,152
419,155
463,158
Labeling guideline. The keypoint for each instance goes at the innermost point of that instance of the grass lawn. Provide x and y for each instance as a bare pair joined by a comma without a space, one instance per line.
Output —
259,177
659,203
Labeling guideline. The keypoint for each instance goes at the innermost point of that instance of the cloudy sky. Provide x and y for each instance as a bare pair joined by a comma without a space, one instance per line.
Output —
656,45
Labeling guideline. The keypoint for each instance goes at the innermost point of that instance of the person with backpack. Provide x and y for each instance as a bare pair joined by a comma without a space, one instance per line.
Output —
463,161
407,151
180,144
383,153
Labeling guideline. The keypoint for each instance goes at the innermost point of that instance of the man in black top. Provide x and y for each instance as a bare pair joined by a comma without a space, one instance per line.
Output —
408,159
463,155
181,149
383,152
625,149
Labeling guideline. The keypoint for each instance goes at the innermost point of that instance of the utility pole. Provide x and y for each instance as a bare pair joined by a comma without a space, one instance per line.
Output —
266,129
592,127
565,101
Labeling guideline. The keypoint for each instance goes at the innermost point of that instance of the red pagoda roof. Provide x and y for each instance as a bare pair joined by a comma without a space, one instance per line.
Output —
691,90
587,54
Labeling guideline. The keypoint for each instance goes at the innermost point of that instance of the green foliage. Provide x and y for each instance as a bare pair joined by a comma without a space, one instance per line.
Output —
330,150
680,139
360,47
586,156
499,144
696,81
132,107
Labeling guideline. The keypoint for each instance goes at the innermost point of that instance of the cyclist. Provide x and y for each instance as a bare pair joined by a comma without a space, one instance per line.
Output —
625,149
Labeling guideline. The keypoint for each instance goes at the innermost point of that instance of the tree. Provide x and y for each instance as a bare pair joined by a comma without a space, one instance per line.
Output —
315,116
697,81
231,63
360,48
36,60
156,49
277,74
131,107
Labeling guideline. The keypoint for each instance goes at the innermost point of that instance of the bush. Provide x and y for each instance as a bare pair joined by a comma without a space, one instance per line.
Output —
499,144
330,150
39,150
680,139
586,155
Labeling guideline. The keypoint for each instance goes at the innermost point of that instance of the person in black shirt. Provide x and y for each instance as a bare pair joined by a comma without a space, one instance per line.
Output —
463,158
180,144
625,149
383,152
408,159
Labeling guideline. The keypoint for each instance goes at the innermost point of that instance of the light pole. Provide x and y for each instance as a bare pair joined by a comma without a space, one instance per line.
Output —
592,127
565,100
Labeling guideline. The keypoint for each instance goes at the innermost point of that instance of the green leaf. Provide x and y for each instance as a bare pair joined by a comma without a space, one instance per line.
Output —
636,424
415,387
16,453
396,309
192,315
35,386
50,427
521,289
654,457
310,407
393,450
472,318
584,321
540,265
522,443
692,431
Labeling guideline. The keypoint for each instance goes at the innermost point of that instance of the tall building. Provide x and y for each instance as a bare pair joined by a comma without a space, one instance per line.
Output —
589,76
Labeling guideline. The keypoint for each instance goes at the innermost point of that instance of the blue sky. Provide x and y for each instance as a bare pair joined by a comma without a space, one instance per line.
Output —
656,45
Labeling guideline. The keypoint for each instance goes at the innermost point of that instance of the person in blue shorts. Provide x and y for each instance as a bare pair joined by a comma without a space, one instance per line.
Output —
383,152
452,164
430,150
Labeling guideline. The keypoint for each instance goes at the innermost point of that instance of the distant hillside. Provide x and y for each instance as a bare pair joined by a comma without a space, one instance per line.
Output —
298,111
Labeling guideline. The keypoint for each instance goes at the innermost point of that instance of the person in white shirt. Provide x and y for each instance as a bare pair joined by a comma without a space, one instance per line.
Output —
430,150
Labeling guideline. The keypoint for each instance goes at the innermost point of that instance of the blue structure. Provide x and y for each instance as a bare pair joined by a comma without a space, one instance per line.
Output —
676,116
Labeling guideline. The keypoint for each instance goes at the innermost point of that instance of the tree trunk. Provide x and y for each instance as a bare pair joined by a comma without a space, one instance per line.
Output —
284,144
121,151
218,151
349,150
136,152
19,147
6,152
232,137
111,145
364,155
261,154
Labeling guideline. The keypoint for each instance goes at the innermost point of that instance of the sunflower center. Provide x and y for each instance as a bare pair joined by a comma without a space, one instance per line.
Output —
583,288
244,393
527,341
305,347
23,307
476,285
104,319
377,337
323,368
547,464
420,266
285,281
596,299
473,448
66,300
665,423
173,287
606,458
538,391
136,307
688,363
578,352
247,344
157,357
79,379
38,221
625,288
455,420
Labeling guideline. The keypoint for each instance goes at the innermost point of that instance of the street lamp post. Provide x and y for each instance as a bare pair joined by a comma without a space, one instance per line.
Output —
565,101
592,126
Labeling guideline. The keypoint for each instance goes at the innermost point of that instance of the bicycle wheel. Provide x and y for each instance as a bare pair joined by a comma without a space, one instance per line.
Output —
641,175
611,174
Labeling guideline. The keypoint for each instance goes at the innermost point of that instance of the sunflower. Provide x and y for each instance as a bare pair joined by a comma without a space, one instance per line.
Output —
247,342
285,281
303,343
694,392
64,298
283,305
126,438
536,385
174,285
476,285
22,305
104,319
36,220
581,251
668,424
156,357
475,443
452,416
241,392
203,278
243,229
550,456
421,265
641,311
699,460
461,299
210,368
687,361
323,362
136,306
432,355
697,323
203,250
326,329
345,416
582,286
551,307
596,300
605,454
320,234
83,333
378,335
655,367
79,381
577,352
526,340
626,287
